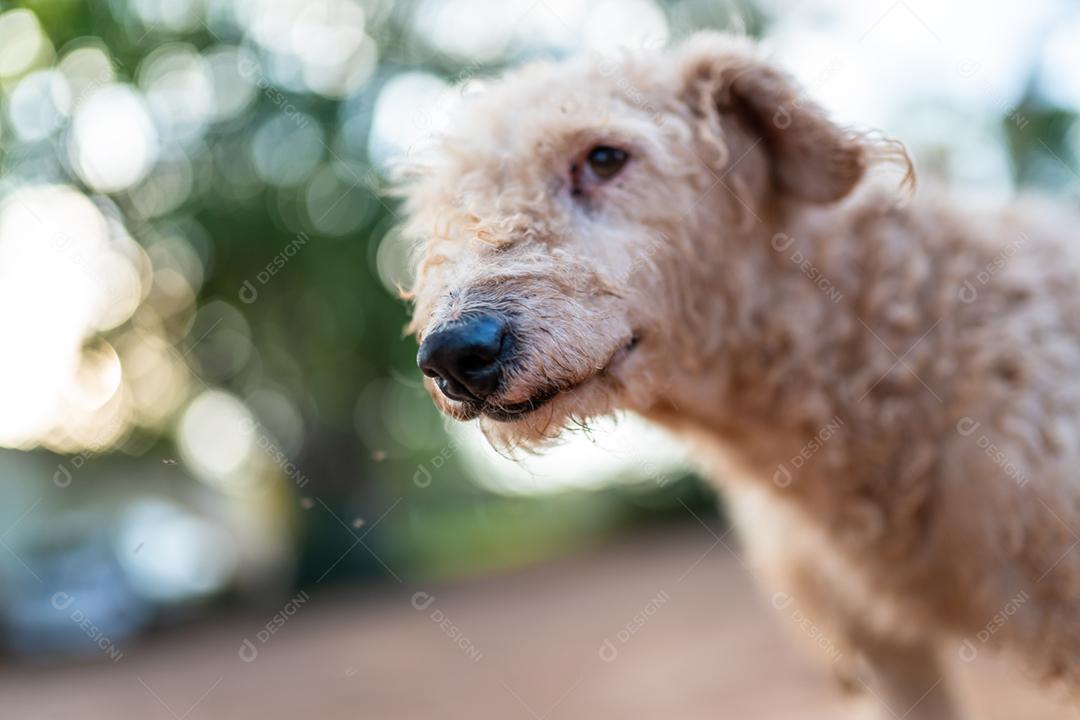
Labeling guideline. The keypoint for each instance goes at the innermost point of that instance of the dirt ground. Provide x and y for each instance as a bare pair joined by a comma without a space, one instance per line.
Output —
665,626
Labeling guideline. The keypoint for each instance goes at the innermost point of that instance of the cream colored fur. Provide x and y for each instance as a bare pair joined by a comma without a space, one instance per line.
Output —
888,383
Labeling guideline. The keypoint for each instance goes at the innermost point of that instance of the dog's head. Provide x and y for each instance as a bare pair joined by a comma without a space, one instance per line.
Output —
578,229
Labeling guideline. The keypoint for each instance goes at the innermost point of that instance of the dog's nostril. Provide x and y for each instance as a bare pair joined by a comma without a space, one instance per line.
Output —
476,361
467,357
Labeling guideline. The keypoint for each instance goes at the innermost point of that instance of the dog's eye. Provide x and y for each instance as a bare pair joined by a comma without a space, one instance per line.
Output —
606,161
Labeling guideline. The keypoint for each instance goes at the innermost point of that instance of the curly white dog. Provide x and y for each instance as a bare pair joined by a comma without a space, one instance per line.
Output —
888,384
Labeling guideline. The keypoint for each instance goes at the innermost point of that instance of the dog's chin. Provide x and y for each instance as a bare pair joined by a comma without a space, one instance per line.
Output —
552,405
537,427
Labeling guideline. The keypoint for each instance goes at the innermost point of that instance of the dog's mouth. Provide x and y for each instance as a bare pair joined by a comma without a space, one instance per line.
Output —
517,411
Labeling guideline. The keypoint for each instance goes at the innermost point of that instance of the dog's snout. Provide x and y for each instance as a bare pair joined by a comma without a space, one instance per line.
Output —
466,357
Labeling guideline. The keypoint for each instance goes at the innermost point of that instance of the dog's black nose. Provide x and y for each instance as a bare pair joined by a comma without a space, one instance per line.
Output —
466,357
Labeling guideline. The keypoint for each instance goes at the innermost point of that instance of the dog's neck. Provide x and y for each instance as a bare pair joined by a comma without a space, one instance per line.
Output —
774,293
796,309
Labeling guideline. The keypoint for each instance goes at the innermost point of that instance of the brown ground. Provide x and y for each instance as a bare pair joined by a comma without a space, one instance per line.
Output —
712,649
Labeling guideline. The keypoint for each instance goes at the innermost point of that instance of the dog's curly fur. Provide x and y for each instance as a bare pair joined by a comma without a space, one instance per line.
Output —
886,382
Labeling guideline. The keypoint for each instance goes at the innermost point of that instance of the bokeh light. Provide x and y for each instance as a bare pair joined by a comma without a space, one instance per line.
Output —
214,436
181,555
179,91
114,140
23,44
72,274
411,108
624,450
39,105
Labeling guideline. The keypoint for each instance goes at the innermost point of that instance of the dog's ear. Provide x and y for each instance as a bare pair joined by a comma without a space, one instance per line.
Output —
727,85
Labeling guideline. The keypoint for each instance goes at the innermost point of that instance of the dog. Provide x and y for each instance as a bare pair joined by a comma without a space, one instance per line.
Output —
885,382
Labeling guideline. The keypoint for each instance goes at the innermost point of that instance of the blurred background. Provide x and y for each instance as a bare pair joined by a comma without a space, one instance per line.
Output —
211,422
